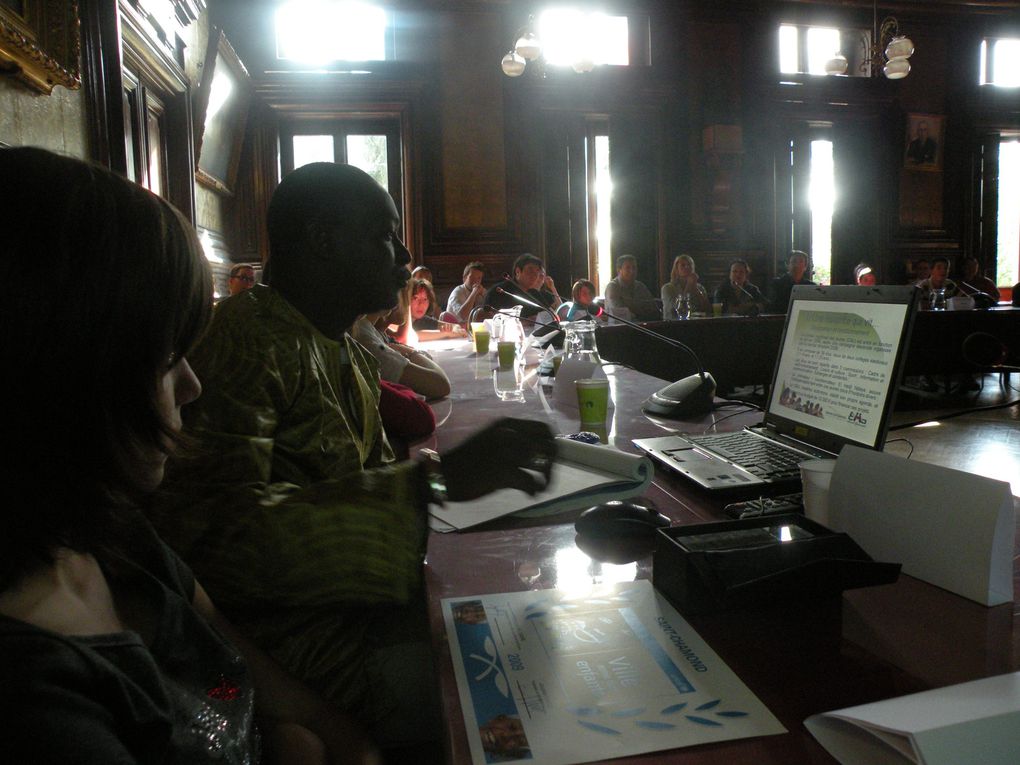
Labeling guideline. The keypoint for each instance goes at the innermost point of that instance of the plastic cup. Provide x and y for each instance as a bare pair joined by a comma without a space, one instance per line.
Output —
592,401
507,350
481,339
815,476
717,309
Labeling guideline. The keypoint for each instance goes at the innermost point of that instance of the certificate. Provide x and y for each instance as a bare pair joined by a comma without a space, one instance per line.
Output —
550,677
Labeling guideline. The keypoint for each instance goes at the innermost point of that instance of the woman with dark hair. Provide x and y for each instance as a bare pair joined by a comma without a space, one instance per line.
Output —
424,311
110,651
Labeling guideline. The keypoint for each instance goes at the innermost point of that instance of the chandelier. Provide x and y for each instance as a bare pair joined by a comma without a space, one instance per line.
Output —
529,48
887,53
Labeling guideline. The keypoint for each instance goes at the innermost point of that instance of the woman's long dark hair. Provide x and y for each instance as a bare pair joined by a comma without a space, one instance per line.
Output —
103,285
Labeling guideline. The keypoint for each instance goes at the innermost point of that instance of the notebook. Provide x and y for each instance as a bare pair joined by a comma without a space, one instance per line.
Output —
834,383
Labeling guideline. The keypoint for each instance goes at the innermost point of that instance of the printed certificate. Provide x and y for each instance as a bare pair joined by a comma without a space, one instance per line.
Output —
553,678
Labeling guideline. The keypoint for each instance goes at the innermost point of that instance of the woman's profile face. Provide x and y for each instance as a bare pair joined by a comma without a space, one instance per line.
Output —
177,386
419,304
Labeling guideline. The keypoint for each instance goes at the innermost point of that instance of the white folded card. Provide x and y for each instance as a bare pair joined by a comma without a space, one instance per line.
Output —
949,528
976,723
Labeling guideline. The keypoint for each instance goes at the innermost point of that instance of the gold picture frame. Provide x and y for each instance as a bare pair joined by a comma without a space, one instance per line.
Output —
40,43
221,112
923,142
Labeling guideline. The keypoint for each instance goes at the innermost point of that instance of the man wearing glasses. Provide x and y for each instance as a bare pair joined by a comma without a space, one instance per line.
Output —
242,277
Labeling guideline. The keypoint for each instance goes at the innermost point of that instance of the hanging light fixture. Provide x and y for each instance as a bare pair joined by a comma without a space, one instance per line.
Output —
887,52
529,48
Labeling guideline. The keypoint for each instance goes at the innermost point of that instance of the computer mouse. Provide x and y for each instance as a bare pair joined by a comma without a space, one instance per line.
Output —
620,519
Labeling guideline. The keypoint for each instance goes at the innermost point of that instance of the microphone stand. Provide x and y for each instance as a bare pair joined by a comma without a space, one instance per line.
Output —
691,395
981,298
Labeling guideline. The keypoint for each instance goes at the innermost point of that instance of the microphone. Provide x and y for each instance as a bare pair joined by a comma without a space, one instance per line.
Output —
981,299
755,309
983,349
691,395
521,318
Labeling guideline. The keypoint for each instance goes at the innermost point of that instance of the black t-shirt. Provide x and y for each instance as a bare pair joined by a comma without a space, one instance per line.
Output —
496,299
111,699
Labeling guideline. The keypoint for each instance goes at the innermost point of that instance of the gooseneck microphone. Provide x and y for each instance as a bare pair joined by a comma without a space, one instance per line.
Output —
755,309
525,301
537,323
981,298
688,396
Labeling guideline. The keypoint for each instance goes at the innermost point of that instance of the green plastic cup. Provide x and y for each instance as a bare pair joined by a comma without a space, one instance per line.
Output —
593,401
481,337
717,309
507,350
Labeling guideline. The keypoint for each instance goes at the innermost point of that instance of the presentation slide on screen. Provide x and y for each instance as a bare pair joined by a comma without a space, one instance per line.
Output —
837,365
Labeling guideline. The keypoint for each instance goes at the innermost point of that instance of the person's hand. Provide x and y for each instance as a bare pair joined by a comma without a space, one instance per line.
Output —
510,453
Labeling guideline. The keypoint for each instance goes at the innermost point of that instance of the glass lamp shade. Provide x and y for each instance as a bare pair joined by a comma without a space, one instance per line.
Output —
899,47
583,65
528,47
513,65
897,69
836,65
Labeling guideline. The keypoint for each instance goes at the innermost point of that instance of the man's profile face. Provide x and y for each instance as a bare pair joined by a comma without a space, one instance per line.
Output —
798,265
474,278
970,268
243,280
370,254
530,277
738,274
627,271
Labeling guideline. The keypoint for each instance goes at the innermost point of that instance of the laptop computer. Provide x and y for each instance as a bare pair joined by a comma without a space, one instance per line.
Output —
834,383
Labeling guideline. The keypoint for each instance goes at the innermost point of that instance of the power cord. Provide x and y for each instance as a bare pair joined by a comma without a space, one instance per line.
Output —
960,413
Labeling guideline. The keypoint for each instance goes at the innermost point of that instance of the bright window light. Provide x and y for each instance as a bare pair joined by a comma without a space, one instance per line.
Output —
312,148
823,199
570,35
1006,63
822,44
788,49
219,93
1008,246
316,32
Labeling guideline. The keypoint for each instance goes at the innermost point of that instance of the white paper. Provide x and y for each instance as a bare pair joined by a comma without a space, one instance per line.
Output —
972,723
583,475
581,676
949,528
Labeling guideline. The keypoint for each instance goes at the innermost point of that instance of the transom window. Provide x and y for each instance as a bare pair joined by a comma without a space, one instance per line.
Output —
805,49
1000,62
316,32
569,35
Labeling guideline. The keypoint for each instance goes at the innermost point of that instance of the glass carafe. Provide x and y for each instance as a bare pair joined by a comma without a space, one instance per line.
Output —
580,341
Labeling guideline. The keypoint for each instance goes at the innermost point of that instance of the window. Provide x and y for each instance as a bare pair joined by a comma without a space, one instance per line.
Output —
1000,62
370,144
600,190
1008,223
316,32
823,200
804,50
810,201
570,35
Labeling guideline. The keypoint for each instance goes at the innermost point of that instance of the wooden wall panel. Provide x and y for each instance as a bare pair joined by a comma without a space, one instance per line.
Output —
471,122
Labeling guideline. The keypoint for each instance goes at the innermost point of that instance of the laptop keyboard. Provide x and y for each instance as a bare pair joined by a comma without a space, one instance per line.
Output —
756,455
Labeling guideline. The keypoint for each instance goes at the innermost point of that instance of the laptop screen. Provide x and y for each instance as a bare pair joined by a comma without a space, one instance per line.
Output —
839,364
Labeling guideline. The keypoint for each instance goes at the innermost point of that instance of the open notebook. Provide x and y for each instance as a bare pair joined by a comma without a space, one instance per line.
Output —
834,383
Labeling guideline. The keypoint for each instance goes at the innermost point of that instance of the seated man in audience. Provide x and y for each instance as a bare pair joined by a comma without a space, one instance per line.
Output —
737,294
628,298
972,280
782,286
289,505
242,277
939,280
530,283
921,271
469,295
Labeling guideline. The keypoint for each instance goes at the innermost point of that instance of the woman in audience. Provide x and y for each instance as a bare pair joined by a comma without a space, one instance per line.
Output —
582,302
110,650
423,314
683,286
400,363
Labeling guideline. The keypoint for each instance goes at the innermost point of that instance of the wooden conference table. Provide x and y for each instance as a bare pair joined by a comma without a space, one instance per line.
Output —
868,645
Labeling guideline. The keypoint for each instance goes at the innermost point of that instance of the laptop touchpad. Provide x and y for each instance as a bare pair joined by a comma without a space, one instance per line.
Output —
688,455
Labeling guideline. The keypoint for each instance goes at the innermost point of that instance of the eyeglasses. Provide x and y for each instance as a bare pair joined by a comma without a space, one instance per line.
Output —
245,279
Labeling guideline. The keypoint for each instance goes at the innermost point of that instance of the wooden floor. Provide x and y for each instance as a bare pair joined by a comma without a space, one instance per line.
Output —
986,443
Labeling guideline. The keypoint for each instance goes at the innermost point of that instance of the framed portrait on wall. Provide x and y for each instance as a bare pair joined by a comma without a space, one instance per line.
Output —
221,111
924,141
40,44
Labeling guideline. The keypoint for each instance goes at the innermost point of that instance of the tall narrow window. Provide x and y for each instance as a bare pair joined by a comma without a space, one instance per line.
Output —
1008,243
823,199
600,190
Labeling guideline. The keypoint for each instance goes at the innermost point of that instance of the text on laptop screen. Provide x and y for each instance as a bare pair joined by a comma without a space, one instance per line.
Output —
836,366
